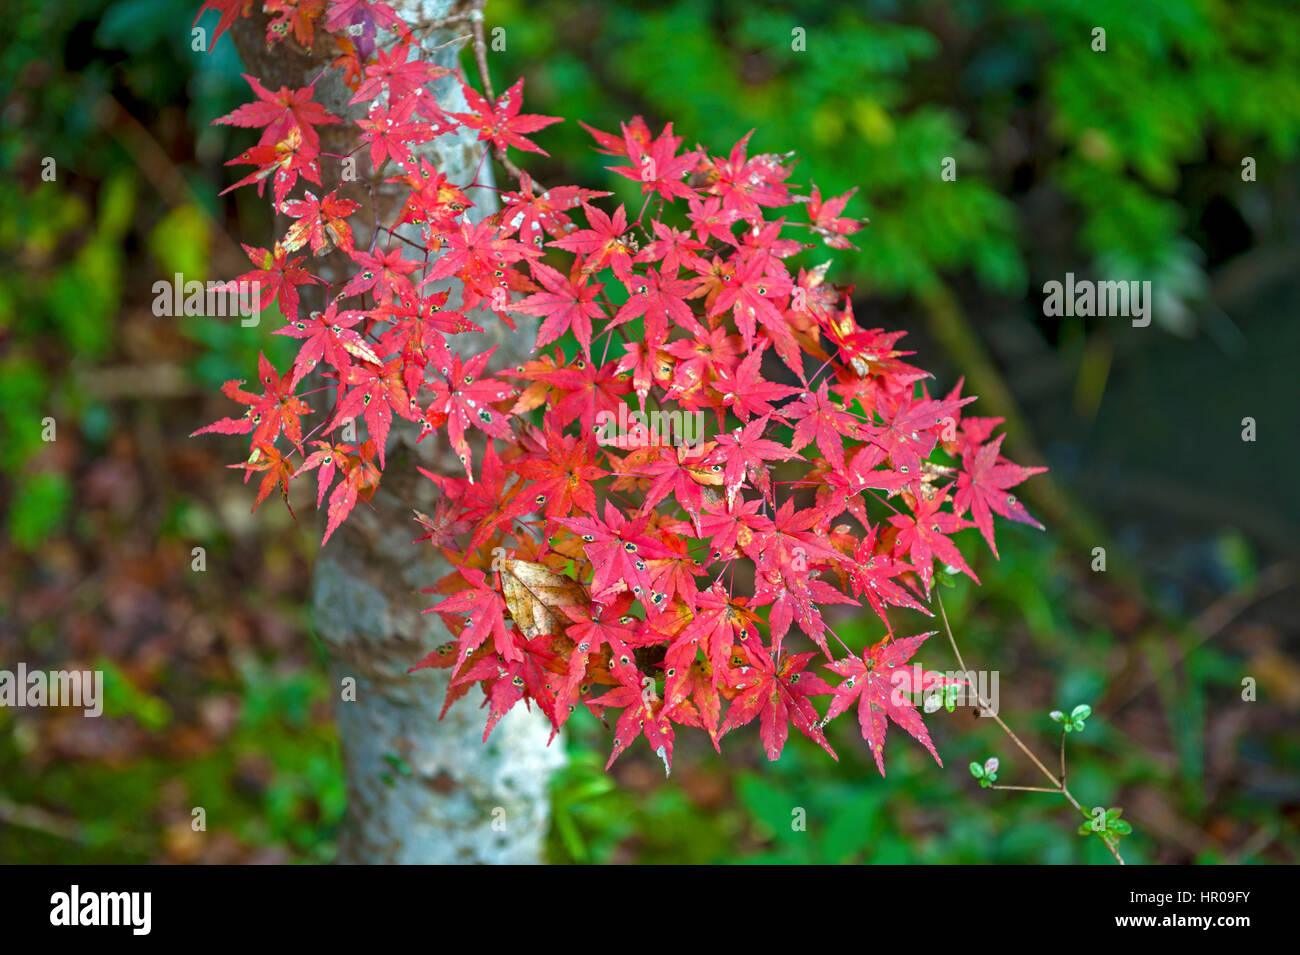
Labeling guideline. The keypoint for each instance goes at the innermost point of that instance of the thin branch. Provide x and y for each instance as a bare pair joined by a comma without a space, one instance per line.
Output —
475,17
39,820
1058,785
1062,755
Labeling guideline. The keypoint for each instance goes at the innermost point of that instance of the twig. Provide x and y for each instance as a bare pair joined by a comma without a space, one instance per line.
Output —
480,47
475,16
39,820
1058,785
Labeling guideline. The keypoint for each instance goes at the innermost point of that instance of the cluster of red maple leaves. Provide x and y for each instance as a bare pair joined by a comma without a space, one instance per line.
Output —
664,578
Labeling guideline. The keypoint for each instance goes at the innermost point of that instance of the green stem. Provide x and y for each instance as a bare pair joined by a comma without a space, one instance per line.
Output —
1058,785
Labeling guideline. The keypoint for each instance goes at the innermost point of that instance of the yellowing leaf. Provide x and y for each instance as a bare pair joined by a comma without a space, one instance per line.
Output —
534,593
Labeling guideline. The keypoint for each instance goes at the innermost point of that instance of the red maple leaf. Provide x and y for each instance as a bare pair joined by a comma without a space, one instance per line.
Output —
569,304
325,461
612,145
588,389
734,524
463,399
389,129
278,277
643,715
323,222
477,255
433,201
787,545
385,272
508,683
656,166
486,610
673,575
488,502
276,468
330,336
560,480
360,476
605,243
618,548
591,629
710,220
872,576
778,696
690,698
417,329
796,598
682,471
747,184
501,122
277,410
285,160
394,71
661,299
673,248
911,430
982,487
297,17
280,112
818,418
745,391
532,215
881,686
230,10
372,13
702,358
826,220
377,392
718,623
922,536
750,296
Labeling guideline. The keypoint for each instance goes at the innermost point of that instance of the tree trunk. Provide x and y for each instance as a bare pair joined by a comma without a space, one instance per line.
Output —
419,790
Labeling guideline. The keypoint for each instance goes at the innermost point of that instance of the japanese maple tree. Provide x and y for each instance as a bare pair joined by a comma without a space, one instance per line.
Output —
661,580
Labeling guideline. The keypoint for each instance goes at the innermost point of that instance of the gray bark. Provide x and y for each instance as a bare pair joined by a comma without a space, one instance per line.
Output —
419,790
